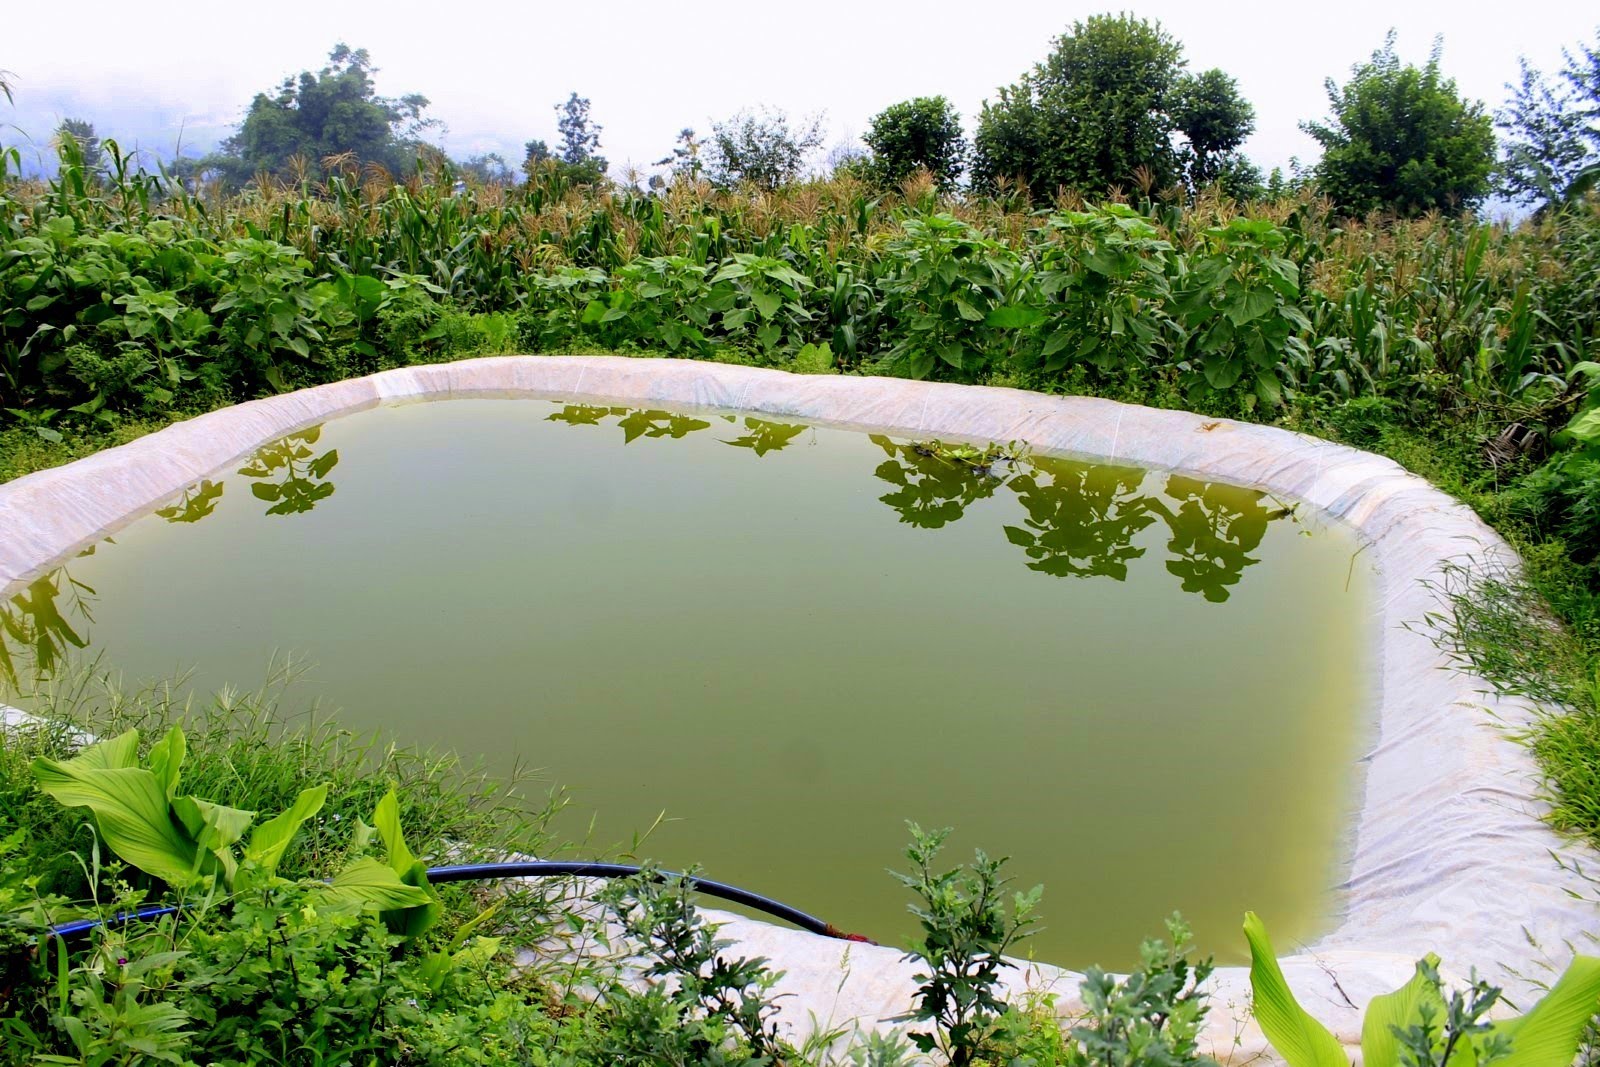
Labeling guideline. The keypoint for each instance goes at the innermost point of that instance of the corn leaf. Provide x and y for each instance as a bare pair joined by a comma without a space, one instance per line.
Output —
1301,1040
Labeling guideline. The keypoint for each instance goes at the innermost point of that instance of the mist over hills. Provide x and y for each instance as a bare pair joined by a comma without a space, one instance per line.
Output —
160,129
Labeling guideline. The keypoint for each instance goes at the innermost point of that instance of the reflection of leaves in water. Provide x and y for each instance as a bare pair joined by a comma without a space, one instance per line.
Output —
197,502
1082,521
299,472
933,491
635,422
584,414
36,623
766,436
1213,531
638,424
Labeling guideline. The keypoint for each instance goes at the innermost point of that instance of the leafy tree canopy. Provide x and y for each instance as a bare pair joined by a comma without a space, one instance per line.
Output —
761,147
1552,130
925,132
1402,139
335,112
1112,105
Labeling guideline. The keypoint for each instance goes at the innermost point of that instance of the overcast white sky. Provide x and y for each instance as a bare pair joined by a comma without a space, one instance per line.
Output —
495,70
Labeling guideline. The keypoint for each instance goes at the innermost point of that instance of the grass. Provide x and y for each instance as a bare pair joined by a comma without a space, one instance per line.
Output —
24,451
246,751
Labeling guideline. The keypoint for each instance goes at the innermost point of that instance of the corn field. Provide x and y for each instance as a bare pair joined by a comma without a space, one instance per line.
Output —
126,291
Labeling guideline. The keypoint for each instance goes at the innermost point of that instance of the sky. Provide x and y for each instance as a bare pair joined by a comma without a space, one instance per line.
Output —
494,72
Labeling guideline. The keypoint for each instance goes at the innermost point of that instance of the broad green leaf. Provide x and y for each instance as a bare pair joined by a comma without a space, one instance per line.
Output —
1016,317
1300,1039
1548,1035
119,751
368,883
213,826
766,303
1400,1009
130,808
413,919
1250,304
268,841
166,760
478,953
1585,427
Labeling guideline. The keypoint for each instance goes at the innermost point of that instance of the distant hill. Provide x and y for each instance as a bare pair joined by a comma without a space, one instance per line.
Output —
156,129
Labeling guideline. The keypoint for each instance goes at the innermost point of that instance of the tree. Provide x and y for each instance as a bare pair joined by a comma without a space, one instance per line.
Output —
81,133
1214,118
761,148
925,132
580,135
1111,106
335,112
685,162
489,168
1402,139
578,161
1552,131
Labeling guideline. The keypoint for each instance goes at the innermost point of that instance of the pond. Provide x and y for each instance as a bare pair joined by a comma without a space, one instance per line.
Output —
1150,691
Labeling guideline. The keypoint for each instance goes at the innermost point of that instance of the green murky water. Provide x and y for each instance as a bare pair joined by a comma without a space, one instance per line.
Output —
1144,688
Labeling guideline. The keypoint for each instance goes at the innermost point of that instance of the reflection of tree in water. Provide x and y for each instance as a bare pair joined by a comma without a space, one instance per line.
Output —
1082,521
585,414
34,626
197,502
932,490
765,436
298,474
1214,530
635,422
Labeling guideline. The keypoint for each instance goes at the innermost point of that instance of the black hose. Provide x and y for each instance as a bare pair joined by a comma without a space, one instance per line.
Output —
475,872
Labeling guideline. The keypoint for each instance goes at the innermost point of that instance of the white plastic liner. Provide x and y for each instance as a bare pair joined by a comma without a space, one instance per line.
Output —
1448,851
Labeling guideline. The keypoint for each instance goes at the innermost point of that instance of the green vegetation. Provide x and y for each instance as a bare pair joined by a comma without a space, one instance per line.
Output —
1552,131
1420,1026
1102,110
1402,140
311,122
1455,346
925,134
1114,242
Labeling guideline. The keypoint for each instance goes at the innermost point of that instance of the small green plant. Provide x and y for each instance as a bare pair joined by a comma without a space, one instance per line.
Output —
966,931
187,841
1152,1017
1418,1025
699,1005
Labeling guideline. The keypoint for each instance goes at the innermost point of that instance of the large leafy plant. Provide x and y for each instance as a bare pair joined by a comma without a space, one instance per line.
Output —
1419,1025
192,843
1237,298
